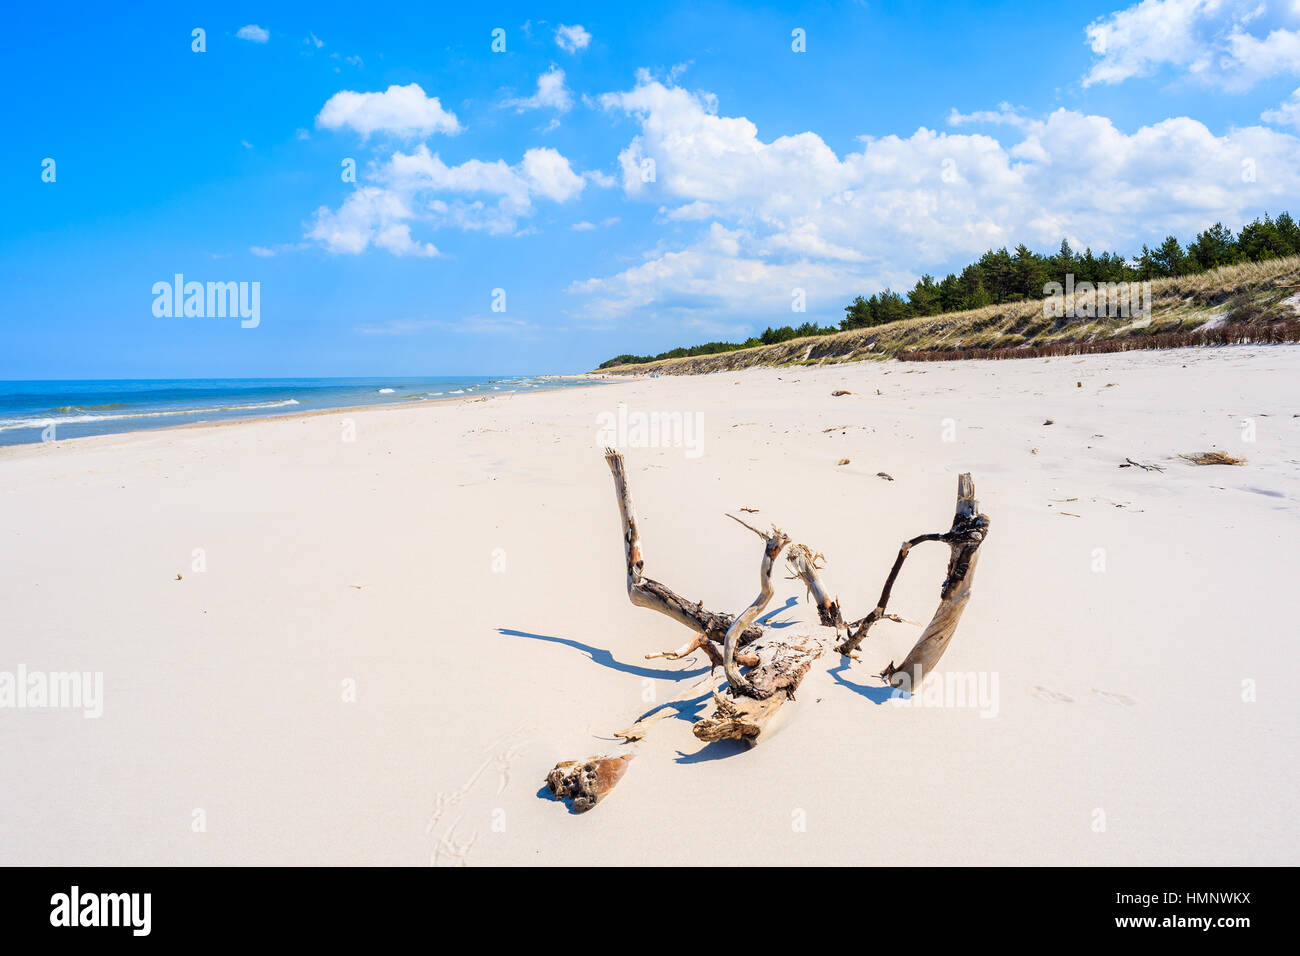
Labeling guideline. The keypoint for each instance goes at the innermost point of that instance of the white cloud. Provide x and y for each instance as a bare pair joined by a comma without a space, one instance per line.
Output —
1228,43
551,94
1004,115
1287,114
401,110
253,33
790,213
369,216
262,252
477,196
549,174
585,226
572,39
313,40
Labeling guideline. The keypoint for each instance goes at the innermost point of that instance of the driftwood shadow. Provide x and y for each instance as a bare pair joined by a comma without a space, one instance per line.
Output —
605,659
766,619
877,695
717,750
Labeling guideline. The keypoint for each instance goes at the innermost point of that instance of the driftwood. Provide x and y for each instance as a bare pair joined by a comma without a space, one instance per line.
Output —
803,562
656,714
756,697
776,665
645,592
587,782
744,719
967,533
774,542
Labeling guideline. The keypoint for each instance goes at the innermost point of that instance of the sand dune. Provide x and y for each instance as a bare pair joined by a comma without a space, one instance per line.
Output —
459,570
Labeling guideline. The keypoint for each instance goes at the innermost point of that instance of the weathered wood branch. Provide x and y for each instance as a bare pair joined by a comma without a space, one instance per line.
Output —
757,697
857,630
643,725
968,531
773,543
648,593
782,665
803,562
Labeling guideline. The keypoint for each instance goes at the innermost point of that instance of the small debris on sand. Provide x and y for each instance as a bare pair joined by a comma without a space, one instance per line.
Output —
1049,422
1213,458
1130,463
840,391
586,782
842,461
752,511
885,475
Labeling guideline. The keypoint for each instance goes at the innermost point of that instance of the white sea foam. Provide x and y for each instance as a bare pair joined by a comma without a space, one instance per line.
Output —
7,424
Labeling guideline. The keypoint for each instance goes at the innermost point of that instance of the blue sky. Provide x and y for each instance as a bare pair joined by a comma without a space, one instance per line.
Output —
907,138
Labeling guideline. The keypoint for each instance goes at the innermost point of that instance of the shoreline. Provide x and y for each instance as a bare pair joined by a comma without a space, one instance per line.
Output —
311,413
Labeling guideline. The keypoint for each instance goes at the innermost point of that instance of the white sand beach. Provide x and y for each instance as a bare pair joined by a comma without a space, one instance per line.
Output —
458,569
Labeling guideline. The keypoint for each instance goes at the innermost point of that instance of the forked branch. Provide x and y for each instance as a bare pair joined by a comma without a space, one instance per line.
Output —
773,543
648,593
969,528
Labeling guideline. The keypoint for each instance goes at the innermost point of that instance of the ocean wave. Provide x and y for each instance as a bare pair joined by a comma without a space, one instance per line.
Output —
387,391
8,424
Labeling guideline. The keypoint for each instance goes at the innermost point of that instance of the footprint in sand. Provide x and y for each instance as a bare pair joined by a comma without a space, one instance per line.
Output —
1111,697
503,762
448,851
1044,693
453,852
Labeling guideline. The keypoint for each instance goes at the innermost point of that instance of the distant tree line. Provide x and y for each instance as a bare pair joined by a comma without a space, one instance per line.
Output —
1000,276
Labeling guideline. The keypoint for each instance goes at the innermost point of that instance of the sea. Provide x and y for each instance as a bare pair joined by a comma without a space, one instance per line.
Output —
54,410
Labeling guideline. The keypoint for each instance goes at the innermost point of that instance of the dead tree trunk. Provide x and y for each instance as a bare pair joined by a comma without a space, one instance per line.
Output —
968,531
645,592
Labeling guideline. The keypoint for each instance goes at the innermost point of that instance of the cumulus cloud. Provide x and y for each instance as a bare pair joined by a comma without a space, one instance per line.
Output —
253,33
1287,114
572,39
369,216
413,187
551,94
400,110
790,213
1228,43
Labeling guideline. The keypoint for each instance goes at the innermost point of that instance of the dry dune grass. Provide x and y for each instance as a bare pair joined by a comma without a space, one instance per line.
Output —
1232,297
